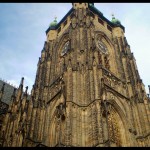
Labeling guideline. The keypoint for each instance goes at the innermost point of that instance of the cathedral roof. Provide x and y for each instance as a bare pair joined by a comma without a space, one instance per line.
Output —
8,91
93,9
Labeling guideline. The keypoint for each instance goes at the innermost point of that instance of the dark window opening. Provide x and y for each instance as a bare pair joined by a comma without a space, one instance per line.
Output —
99,58
65,22
100,21
109,28
106,62
59,29
71,16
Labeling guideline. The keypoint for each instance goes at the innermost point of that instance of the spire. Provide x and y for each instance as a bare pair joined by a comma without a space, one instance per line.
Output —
54,23
21,82
20,90
39,62
115,21
44,47
14,94
24,100
33,90
113,17
25,94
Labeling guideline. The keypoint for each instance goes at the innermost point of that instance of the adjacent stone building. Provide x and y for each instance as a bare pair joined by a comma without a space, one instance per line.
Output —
87,90
5,98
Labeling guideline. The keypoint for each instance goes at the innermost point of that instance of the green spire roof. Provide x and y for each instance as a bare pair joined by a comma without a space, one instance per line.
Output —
54,23
91,4
115,21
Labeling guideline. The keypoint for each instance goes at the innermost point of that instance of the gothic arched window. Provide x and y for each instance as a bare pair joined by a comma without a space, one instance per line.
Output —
65,48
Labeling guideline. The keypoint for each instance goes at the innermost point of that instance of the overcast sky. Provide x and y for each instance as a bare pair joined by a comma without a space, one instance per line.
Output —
22,35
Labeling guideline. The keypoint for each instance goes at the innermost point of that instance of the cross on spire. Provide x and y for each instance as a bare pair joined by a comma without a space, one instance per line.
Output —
55,18
112,14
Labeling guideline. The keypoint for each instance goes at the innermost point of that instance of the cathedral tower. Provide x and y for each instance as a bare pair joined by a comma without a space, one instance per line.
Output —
87,90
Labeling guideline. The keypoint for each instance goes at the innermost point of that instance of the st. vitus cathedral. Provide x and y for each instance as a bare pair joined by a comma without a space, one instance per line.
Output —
87,91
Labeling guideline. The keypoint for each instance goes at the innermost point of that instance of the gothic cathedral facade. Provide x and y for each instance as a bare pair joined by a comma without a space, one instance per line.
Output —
87,89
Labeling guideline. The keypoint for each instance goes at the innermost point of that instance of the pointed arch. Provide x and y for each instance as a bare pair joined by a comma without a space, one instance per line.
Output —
122,104
63,39
121,120
108,52
103,36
